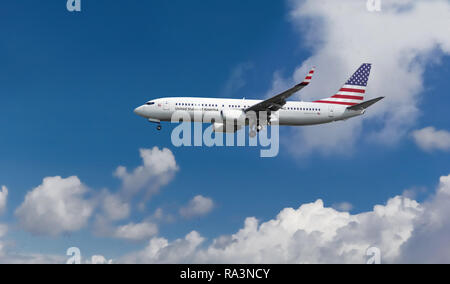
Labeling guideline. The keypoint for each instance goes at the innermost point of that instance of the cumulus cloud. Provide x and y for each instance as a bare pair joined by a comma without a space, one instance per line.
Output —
395,40
401,229
3,198
114,207
159,250
198,206
429,241
136,232
310,234
161,216
430,139
57,206
158,169
65,205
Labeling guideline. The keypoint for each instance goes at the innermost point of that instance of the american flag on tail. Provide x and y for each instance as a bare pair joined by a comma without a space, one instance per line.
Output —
352,93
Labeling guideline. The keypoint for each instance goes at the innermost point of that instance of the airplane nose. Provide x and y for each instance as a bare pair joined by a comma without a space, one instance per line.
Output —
139,111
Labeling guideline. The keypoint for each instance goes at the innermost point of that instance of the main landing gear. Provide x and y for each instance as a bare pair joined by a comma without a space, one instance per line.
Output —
259,128
255,129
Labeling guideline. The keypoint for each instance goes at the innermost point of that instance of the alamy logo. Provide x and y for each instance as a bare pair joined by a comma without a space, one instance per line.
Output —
373,5
374,255
75,255
225,126
74,5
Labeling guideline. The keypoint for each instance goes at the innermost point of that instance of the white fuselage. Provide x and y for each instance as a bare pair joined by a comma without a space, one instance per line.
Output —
293,112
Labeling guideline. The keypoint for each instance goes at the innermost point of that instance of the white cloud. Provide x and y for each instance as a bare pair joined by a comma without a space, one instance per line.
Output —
61,205
57,206
158,169
160,250
3,198
343,206
430,139
136,232
114,208
395,40
430,240
162,216
403,229
198,206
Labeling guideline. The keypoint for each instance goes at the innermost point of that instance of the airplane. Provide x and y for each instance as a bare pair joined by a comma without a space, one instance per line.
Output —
348,102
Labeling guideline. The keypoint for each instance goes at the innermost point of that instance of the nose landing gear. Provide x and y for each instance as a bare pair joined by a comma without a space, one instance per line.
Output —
157,121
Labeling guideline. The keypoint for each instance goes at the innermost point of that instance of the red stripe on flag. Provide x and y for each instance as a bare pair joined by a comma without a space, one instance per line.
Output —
308,77
352,90
348,97
336,103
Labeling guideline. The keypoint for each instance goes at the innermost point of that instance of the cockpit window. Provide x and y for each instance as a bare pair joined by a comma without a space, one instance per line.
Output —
150,103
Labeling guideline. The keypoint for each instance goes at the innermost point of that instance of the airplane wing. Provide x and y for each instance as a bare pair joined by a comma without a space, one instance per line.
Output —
277,102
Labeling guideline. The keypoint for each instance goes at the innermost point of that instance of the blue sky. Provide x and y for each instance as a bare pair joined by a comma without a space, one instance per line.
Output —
69,83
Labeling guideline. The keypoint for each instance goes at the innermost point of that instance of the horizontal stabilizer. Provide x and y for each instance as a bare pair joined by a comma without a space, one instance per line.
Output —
365,105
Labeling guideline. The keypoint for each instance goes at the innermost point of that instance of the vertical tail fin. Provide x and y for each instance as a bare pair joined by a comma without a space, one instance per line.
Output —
353,91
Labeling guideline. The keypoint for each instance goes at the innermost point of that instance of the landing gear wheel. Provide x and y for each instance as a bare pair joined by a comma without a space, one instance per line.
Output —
158,127
259,128
252,134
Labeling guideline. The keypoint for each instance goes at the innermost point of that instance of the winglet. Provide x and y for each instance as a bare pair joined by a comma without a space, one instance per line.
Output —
365,105
308,77
278,101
